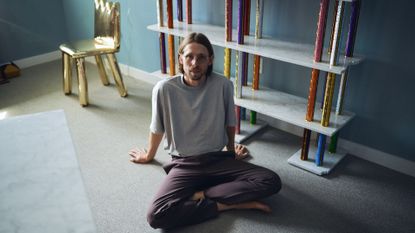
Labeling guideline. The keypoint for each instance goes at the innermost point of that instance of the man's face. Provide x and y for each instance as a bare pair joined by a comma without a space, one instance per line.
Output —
195,60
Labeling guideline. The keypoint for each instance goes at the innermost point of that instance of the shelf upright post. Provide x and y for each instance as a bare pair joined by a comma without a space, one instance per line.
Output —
179,17
162,39
238,76
351,36
257,59
246,19
328,97
180,10
189,11
318,50
172,62
228,37
323,94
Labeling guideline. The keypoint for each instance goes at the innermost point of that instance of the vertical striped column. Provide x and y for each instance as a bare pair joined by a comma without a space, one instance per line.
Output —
180,10
245,56
239,70
318,49
351,36
259,11
180,17
162,39
330,82
172,63
189,11
331,77
228,37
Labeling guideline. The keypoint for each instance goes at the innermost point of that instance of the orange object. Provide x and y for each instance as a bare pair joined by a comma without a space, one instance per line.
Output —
9,70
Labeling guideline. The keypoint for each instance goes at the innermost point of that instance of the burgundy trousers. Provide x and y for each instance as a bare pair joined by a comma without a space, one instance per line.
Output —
222,178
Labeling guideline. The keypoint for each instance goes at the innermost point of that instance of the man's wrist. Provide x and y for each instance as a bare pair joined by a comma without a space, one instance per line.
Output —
230,147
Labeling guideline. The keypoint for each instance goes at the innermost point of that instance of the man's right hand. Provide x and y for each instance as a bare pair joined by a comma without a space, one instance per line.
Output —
139,156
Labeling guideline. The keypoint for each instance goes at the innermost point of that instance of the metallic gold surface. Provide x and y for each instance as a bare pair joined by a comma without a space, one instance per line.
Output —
101,70
227,65
160,18
116,72
82,82
172,62
67,74
106,41
107,23
328,99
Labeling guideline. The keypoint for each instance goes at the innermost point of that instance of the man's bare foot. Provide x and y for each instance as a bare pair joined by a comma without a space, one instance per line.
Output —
198,196
256,205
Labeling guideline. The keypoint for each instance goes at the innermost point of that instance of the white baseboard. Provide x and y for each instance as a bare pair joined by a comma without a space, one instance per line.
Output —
138,74
38,59
379,157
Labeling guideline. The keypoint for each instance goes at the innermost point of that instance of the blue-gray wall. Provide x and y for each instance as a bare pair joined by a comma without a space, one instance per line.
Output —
29,28
379,90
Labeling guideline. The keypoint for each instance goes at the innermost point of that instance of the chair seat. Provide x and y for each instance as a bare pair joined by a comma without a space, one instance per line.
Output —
86,48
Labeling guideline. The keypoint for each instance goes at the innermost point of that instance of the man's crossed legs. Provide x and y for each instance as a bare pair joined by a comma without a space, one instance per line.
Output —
197,188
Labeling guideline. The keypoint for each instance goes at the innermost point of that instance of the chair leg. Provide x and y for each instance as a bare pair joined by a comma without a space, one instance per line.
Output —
117,75
101,69
67,73
82,82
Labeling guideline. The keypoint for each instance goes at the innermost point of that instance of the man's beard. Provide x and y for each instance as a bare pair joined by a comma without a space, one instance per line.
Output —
196,75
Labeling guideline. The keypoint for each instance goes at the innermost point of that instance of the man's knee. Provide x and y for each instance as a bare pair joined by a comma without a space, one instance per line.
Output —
154,219
272,181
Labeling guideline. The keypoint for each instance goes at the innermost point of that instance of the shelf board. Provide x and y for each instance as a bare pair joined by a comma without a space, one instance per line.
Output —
294,53
329,162
289,108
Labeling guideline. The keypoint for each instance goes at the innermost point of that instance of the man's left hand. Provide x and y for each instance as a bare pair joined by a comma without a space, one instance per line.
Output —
241,152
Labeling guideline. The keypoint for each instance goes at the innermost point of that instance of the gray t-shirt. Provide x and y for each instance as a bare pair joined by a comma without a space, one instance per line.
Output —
194,119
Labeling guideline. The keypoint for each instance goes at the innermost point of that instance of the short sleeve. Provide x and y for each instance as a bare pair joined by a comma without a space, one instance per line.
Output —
156,125
230,118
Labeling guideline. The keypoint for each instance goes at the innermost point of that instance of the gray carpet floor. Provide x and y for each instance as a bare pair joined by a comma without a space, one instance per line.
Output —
358,196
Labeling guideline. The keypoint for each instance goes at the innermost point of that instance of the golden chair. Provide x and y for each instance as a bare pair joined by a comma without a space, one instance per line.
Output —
106,41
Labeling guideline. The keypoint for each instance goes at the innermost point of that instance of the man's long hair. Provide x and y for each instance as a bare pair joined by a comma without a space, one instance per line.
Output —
200,39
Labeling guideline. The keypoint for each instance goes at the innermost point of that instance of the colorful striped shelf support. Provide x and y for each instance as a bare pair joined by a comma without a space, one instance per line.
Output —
330,83
351,36
318,49
189,11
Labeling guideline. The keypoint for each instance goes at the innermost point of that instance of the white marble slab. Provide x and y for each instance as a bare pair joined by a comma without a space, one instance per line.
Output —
294,53
329,162
290,108
41,188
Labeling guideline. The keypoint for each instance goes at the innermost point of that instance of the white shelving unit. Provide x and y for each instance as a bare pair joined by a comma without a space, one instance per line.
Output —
282,106
294,53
